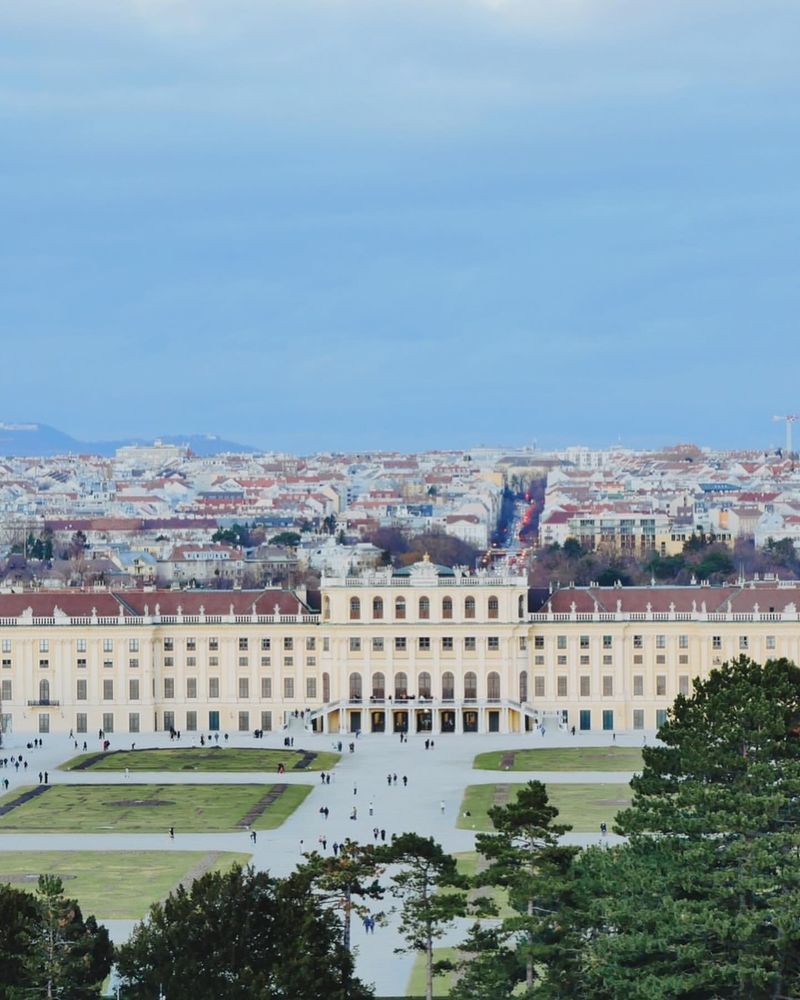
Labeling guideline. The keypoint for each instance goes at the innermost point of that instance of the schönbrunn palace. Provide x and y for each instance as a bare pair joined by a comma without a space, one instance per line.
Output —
423,649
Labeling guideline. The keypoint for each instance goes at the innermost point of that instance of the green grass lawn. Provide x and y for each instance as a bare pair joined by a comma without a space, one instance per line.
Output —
584,807
610,758
113,885
441,984
138,808
202,759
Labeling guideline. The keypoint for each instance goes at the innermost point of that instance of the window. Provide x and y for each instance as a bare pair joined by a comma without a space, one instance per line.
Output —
377,645
108,645
447,607
523,643
44,664
470,686
523,685
424,643
683,685
5,691
637,642
355,687
191,645
108,722
108,664
266,687
493,686
539,660
191,722
81,664
288,687
469,607
538,642
638,685
378,686
448,686
288,661
80,694
311,643
311,688
169,687
133,689
266,645
447,642
608,719
355,644
716,642
326,645
399,608
213,661
288,643
191,687
7,664
311,661
538,687
638,718
661,717
607,641
244,687
266,661
493,607
584,660
584,642
169,645
424,685
608,686
108,690
424,607
585,686
81,722
191,661
561,642
744,642
243,644
683,642
661,659
638,660
244,722
326,608
244,661
355,609
661,642
562,660
213,644
44,645
400,686
770,642
377,607
493,642
168,661
661,685
133,645
608,661
470,644
266,721
400,643
213,687
133,663
683,659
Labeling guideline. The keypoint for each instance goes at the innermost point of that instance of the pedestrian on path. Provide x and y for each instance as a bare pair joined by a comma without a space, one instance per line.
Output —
46,777
172,833
383,835
40,777
388,779
405,781
253,836
441,805
370,808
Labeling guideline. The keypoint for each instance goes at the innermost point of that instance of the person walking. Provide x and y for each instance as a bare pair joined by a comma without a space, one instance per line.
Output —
370,808
441,805
46,777
405,781
172,833
253,836
383,835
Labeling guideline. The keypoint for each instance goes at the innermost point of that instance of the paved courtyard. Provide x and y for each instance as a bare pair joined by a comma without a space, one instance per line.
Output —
434,776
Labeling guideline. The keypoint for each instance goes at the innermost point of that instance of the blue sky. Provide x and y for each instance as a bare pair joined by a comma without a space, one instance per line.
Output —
343,224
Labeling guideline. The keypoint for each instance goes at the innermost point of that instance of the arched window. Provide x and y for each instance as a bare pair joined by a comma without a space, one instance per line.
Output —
355,609
377,607
523,686
400,607
326,608
424,685
470,685
326,687
448,686
355,687
521,606
494,607
447,607
469,607
493,686
400,686
378,686
424,607
44,692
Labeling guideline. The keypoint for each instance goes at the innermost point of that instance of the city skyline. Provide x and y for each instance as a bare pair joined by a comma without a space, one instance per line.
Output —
352,226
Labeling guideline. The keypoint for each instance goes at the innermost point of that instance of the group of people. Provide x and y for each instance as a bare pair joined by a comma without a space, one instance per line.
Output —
391,779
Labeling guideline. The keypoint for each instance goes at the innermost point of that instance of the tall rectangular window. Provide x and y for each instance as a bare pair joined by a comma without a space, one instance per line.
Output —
561,686
638,685
191,722
81,722
108,690
288,687
244,721
311,688
638,718
585,686
661,685
133,722
538,687
108,722
266,721
213,687
80,693
133,689
169,687
244,687
266,687
683,685
5,688
191,687
608,685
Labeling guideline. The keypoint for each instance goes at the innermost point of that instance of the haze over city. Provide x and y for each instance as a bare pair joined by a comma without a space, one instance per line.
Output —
318,226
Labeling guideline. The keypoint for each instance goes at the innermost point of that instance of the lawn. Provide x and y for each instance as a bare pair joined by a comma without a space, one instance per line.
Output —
441,984
113,885
139,808
203,759
610,758
584,807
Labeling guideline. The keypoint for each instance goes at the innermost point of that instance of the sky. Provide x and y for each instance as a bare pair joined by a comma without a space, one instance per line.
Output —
314,225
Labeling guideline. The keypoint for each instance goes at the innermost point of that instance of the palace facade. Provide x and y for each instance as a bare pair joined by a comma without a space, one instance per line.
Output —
425,649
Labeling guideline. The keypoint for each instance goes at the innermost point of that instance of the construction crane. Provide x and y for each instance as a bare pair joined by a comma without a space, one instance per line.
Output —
790,419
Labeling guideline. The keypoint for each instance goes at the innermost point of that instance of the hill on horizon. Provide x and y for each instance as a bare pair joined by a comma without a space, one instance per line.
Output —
23,440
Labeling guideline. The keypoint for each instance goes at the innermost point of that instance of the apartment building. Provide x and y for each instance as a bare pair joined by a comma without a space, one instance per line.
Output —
423,649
